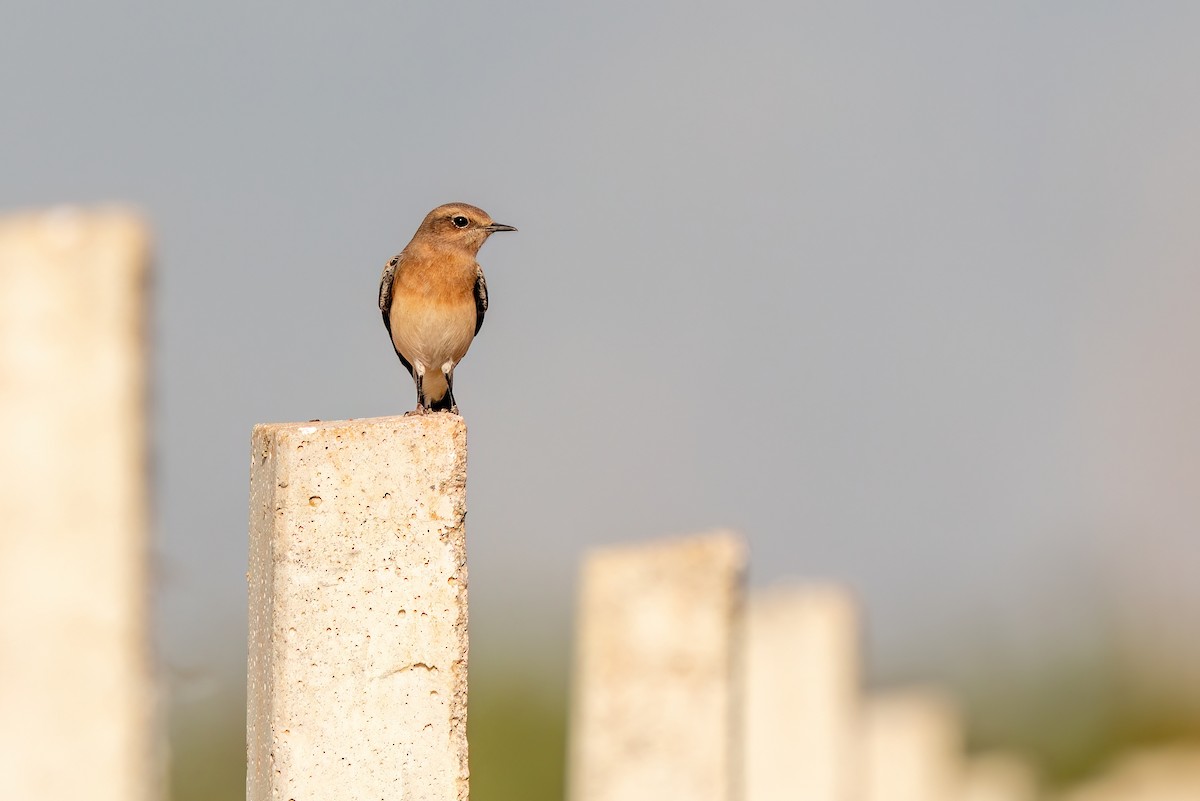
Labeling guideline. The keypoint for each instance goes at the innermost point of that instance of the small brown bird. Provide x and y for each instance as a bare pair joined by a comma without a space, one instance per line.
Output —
433,298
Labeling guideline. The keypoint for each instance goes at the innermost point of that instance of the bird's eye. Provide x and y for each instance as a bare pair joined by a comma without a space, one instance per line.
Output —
460,221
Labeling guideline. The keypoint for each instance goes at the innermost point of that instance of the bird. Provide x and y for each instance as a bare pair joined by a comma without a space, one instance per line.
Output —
433,297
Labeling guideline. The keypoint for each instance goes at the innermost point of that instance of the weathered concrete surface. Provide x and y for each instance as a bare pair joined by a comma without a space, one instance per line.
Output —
913,747
801,695
358,611
653,710
76,686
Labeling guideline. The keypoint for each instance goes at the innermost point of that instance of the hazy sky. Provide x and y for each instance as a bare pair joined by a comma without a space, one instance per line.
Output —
896,289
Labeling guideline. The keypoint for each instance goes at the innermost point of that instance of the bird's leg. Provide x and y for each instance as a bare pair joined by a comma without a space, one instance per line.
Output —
448,371
419,379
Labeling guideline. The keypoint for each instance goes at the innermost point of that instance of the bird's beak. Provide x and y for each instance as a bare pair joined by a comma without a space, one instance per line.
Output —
494,227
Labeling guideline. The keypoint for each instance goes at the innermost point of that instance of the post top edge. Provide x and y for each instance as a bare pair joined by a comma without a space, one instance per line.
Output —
730,544
66,231
412,423
802,589
104,214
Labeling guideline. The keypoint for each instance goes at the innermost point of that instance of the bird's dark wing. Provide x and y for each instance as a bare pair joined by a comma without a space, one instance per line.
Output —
385,302
385,289
480,298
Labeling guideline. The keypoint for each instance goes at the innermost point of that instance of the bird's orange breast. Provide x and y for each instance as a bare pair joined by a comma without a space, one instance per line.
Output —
437,278
433,309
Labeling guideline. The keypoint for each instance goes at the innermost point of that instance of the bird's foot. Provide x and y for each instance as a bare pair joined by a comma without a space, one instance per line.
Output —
417,412
454,409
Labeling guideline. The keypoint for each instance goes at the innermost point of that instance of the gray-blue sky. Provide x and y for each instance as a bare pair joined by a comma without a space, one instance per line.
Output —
858,279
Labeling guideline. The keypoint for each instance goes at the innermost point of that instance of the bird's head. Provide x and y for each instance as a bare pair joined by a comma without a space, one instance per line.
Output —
458,225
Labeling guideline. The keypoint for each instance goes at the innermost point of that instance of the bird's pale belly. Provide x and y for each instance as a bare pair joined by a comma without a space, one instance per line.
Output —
432,334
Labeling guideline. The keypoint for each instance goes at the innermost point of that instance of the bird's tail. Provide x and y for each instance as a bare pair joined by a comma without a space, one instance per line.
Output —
436,391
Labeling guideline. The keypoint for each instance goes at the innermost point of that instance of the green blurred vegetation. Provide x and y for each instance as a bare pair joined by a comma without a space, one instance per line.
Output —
1074,719
1074,707
1070,716
517,732
208,750
516,725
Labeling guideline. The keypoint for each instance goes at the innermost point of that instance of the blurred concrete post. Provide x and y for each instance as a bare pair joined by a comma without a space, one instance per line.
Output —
998,777
358,610
654,688
76,684
801,695
912,747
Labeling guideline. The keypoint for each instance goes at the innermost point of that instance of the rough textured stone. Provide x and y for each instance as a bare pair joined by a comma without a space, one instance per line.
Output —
801,695
358,611
653,712
76,685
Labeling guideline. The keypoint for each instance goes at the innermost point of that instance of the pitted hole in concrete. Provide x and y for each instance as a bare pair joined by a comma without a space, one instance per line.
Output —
315,501
402,612
387,495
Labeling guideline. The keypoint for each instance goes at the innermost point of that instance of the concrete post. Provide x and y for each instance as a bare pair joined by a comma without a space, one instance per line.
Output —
358,611
76,685
913,748
998,777
653,710
801,695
